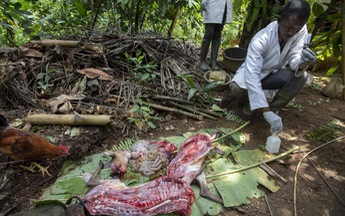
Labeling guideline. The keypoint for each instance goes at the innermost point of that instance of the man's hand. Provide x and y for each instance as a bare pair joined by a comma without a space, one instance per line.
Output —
275,121
308,57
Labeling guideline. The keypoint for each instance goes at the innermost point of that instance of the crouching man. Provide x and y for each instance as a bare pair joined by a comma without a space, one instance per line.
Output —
276,62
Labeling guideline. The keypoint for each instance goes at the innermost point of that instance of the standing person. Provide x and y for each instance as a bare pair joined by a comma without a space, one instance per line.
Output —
215,14
276,63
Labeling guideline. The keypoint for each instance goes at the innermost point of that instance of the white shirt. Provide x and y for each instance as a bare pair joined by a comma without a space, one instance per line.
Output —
215,11
264,57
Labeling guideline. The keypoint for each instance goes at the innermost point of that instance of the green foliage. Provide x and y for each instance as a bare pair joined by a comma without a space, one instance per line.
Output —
23,20
326,132
141,116
44,80
14,21
142,71
324,23
229,115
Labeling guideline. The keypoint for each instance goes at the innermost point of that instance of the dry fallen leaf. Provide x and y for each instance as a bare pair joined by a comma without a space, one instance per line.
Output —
95,73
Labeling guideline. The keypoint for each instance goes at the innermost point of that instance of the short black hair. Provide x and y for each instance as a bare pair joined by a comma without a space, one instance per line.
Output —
299,8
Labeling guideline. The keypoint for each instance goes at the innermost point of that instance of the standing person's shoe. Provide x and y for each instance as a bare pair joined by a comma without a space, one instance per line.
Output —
203,66
203,54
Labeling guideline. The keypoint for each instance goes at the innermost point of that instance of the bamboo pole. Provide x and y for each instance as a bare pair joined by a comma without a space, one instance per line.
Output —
51,119
214,176
64,43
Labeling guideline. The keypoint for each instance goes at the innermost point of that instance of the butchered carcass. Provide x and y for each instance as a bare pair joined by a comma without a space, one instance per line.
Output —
166,194
188,162
163,195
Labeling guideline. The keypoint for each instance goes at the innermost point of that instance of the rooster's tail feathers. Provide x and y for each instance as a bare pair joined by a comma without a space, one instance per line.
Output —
3,122
64,148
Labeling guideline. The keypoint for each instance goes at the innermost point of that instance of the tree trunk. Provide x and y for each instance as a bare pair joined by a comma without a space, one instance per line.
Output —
173,23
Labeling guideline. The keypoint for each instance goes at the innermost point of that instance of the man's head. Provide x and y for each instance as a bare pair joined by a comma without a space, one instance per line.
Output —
292,18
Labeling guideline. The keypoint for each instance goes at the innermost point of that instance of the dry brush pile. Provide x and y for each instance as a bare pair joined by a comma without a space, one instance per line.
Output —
126,77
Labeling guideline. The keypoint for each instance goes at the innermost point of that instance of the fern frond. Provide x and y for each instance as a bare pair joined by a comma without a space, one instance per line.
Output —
123,145
326,132
231,116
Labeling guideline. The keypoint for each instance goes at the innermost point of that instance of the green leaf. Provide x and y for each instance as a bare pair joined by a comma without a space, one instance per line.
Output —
211,86
191,93
135,108
237,188
317,9
79,8
151,125
216,108
332,70
145,108
74,132
190,81
204,206
40,76
51,139
145,76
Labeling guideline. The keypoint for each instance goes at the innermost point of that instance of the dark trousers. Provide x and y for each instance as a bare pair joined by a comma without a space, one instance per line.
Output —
284,80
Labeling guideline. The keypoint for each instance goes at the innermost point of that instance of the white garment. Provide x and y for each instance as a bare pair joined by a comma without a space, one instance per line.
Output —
264,57
215,11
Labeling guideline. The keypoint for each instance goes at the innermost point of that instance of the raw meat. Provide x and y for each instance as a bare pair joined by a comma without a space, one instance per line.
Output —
163,195
166,194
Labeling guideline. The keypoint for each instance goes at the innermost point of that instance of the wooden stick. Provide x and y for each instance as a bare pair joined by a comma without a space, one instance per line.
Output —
272,172
192,110
76,119
156,106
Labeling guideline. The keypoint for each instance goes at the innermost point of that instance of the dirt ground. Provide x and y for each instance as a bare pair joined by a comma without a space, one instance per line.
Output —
321,177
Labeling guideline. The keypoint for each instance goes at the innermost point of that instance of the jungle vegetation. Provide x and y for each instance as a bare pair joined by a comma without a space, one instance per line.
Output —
25,20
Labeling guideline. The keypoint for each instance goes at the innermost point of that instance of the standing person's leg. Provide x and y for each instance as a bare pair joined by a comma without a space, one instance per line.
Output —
205,44
288,84
216,40
215,46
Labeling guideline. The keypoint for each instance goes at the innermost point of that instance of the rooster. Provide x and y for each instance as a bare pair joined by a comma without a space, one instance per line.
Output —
25,146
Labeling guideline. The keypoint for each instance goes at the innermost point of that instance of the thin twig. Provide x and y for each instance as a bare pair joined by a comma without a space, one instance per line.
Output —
11,162
299,164
268,205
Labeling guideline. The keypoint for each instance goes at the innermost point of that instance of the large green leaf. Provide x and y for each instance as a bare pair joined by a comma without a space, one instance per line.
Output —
203,206
237,188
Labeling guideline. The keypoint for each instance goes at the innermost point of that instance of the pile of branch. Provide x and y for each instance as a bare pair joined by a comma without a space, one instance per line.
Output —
106,74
